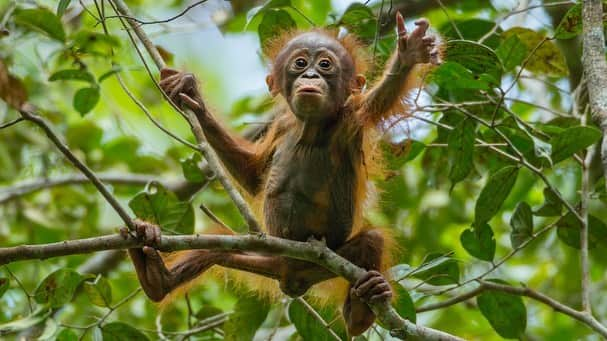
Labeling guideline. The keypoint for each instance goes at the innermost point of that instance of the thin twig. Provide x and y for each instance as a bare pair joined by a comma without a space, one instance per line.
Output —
318,318
11,123
163,21
64,149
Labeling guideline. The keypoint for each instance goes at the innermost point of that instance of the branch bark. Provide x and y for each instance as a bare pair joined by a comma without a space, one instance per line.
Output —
315,252
595,67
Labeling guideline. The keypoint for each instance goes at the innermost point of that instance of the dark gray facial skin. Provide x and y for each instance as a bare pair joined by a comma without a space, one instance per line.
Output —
314,71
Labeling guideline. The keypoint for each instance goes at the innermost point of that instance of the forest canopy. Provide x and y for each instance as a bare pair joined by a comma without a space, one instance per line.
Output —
494,181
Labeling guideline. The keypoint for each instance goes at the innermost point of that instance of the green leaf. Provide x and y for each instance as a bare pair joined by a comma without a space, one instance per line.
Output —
58,288
259,10
41,19
551,207
453,76
494,194
403,303
461,150
85,135
273,23
479,242
73,74
121,149
4,285
86,99
397,154
360,20
95,43
505,312
309,328
568,230
118,331
249,313
159,206
41,313
191,170
471,29
546,59
99,291
571,24
114,70
62,6
477,58
522,224
573,140
67,335
511,52
437,269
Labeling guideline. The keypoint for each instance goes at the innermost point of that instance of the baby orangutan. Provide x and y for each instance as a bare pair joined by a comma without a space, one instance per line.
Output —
310,168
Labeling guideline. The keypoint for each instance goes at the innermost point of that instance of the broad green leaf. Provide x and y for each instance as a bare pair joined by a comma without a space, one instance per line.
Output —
403,303
191,170
95,43
494,193
259,10
67,335
273,23
546,58
461,150
360,20
41,19
477,58
551,207
99,291
4,285
85,135
73,74
522,224
437,269
453,76
571,24
471,29
573,140
249,313
505,312
86,99
568,230
119,331
62,6
41,313
511,52
479,242
58,288
159,206
309,328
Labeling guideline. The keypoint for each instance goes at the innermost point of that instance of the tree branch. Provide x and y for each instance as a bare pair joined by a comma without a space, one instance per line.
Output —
41,122
581,316
315,252
595,67
203,146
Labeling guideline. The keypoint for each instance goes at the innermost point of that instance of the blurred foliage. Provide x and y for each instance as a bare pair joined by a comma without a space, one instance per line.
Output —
481,172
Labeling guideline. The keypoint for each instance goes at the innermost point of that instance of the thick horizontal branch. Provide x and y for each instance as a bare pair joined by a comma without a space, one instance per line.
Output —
315,252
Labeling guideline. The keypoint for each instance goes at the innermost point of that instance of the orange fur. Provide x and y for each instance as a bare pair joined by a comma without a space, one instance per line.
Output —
363,120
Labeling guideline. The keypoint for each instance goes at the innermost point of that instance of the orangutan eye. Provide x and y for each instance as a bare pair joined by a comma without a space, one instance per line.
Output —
301,63
324,64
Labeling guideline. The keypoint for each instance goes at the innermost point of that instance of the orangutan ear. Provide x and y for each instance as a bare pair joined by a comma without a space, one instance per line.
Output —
271,86
358,83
